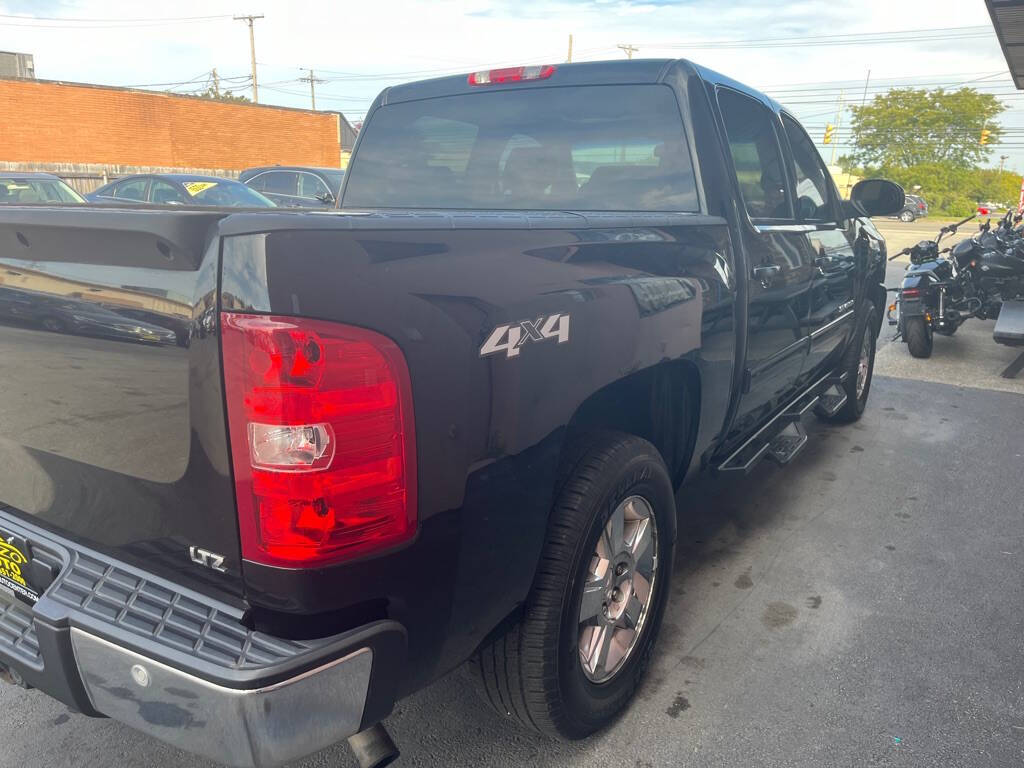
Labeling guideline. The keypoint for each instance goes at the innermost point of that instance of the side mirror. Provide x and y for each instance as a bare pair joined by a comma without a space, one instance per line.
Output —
326,198
878,197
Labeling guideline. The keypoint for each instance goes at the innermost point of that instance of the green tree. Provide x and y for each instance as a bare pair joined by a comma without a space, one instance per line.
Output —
910,127
217,95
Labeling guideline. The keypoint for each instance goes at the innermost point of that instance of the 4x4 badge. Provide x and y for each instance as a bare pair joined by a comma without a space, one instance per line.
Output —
510,338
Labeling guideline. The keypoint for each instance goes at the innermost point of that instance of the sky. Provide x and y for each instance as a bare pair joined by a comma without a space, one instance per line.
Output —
805,54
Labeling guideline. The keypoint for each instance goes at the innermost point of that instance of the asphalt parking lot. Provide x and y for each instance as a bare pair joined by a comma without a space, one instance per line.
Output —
863,606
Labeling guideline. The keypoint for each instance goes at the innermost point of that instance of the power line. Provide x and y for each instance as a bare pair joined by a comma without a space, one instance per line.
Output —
29,17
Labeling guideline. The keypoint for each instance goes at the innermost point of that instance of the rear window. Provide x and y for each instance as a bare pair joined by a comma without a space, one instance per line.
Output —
586,148
30,190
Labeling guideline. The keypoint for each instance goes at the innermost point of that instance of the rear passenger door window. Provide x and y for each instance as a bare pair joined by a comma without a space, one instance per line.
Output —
163,193
134,189
813,201
756,154
311,187
278,182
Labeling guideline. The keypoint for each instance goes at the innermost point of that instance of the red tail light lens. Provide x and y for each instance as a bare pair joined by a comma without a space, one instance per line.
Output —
511,75
322,440
910,293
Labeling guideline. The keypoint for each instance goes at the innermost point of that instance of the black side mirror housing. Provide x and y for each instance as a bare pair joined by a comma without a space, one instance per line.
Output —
878,197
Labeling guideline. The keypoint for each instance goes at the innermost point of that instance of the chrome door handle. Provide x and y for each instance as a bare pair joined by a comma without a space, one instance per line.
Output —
766,274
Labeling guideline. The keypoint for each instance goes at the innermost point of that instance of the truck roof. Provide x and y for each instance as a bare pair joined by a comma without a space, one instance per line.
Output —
614,72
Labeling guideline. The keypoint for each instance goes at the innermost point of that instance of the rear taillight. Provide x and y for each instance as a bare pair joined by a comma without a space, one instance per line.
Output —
910,293
510,75
920,206
321,426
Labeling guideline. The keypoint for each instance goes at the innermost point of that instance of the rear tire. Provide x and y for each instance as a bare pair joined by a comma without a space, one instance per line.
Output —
859,365
919,337
536,672
907,216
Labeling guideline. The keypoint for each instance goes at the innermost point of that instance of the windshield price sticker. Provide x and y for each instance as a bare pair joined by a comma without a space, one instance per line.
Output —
195,187
12,565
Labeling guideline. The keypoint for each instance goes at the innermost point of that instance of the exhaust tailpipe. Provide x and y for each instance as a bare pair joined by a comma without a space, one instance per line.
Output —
373,748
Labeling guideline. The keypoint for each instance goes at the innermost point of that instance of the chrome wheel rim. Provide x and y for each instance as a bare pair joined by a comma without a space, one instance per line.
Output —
618,590
863,365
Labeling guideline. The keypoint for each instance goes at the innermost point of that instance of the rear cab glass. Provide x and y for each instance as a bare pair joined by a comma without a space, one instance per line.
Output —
585,148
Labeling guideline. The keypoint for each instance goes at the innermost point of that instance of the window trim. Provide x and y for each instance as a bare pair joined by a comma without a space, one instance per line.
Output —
830,187
759,222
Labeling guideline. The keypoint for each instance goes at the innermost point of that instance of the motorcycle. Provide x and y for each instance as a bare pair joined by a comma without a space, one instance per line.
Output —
932,297
992,264
938,294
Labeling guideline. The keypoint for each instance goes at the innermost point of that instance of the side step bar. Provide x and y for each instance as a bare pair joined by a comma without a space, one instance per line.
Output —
784,436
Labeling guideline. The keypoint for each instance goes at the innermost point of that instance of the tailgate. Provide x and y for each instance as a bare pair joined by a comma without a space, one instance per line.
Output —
112,428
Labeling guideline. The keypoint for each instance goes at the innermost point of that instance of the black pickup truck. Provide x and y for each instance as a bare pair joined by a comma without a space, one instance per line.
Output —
445,422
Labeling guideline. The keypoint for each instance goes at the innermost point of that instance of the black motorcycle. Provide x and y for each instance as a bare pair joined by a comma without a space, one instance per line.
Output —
931,299
939,294
991,264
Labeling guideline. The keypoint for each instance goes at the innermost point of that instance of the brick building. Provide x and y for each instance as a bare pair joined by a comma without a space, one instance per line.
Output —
87,133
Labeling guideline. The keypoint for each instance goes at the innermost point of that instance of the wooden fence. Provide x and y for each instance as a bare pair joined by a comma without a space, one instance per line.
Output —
86,178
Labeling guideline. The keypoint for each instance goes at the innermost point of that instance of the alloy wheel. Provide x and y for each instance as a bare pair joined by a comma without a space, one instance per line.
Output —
617,593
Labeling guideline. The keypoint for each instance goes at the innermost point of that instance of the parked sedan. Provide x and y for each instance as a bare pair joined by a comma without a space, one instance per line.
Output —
914,207
29,188
296,186
180,189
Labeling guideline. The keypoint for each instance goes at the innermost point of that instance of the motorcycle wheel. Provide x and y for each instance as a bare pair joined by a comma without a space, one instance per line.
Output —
919,337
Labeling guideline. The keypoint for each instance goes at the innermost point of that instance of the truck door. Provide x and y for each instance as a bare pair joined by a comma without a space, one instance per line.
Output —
830,239
780,266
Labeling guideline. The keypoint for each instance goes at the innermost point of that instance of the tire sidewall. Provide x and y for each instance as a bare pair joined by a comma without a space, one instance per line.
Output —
867,326
926,335
590,705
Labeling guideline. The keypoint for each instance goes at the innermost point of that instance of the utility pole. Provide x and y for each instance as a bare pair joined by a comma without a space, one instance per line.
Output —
1002,161
252,53
216,83
629,49
839,119
312,83
569,60
863,101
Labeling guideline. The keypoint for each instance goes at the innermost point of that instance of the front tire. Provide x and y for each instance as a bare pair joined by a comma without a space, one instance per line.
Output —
859,365
919,336
583,644
907,216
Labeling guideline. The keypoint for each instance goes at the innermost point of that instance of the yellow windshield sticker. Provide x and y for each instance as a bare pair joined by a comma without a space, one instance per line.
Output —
11,560
195,187
12,577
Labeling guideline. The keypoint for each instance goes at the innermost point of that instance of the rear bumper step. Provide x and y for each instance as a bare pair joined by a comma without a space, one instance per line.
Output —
784,436
111,640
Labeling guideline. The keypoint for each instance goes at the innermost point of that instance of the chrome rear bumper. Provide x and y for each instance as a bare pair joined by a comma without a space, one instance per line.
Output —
259,727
